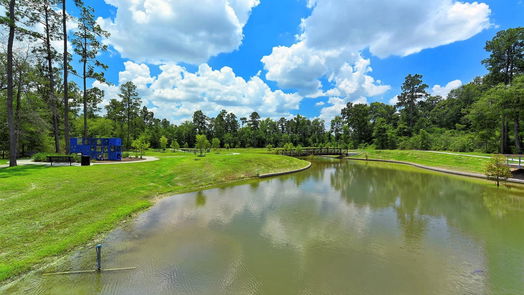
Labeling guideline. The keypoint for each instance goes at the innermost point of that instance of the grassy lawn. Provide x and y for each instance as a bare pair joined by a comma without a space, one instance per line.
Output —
454,162
47,211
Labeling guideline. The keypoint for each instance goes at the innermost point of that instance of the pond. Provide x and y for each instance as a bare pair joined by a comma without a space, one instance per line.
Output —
340,227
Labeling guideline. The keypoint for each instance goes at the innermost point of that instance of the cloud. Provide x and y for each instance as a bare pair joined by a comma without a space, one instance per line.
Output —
336,106
444,91
176,94
170,31
300,67
337,31
393,27
393,100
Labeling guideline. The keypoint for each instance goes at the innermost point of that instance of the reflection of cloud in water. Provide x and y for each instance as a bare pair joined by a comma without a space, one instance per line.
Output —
338,226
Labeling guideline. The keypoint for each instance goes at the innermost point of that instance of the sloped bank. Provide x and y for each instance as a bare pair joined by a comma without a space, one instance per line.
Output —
442,170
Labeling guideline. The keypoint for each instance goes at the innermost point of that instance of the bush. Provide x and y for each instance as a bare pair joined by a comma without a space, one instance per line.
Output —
125,155
497,170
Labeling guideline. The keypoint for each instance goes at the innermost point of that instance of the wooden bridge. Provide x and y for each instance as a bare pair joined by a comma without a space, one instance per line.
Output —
315,152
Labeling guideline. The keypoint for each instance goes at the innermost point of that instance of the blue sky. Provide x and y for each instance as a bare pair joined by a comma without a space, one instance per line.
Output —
175,51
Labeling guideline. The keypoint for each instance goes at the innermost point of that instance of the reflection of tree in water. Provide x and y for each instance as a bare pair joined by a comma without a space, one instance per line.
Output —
200,199
500,202
417,194
492,217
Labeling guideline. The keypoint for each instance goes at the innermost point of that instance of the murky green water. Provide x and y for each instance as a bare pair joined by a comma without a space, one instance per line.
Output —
339,228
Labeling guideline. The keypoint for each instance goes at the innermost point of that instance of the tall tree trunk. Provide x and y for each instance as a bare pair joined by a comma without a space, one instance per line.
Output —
52,100
10,92
85,87
66,72
18,107
516,129
504,137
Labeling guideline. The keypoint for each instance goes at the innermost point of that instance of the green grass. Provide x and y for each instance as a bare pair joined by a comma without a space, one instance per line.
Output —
453,162
47,211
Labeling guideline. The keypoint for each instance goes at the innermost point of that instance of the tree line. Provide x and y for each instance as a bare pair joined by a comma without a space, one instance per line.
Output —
41,108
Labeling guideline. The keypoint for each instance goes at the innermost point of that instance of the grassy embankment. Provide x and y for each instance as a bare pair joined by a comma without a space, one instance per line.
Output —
47,211
461,162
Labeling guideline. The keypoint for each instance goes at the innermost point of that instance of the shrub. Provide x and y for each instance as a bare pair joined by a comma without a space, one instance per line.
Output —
202,144
174,145
215,144
125,155
141,144
497,170
163,143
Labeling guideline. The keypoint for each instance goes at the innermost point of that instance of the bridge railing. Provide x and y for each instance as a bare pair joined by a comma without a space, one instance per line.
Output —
313,152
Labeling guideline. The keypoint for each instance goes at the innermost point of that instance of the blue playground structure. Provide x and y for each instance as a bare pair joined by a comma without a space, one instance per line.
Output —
98,148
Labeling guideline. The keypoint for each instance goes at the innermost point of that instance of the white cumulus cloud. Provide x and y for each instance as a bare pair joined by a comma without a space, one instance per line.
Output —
337,31
300,67
166,31
392,27
445,90
176,94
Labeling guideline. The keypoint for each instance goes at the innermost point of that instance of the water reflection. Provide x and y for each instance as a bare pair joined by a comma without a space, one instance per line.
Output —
200,199
338,228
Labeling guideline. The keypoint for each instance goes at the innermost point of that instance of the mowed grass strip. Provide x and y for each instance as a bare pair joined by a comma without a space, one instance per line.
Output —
460,162
46,211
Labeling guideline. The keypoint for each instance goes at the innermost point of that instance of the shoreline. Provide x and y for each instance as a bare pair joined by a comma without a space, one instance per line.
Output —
436,169
57,258
285,172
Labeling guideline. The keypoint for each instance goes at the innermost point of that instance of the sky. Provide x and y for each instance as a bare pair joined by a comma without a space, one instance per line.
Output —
287,57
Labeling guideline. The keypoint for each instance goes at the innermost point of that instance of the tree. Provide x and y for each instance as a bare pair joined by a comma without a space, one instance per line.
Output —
43,14
131,106
231,123
88,46
413,90
10,85
505,62
202,144
506,58
219,125
254,120
163,142
141,144
496,169
200,122
174,145
215,144
66,73
357,118
382,134
336,127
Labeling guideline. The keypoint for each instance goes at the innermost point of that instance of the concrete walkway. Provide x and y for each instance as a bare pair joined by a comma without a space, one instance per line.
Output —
455,154
30,162
447,171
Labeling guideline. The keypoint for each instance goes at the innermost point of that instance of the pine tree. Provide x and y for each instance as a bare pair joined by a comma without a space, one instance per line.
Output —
87,44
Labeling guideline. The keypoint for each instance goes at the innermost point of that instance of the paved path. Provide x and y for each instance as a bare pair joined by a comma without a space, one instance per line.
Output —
447,171
30,162
455,154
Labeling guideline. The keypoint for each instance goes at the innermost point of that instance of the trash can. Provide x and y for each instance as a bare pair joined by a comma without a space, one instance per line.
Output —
86,161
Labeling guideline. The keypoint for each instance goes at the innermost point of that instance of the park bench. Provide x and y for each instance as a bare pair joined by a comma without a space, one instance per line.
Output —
60,159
